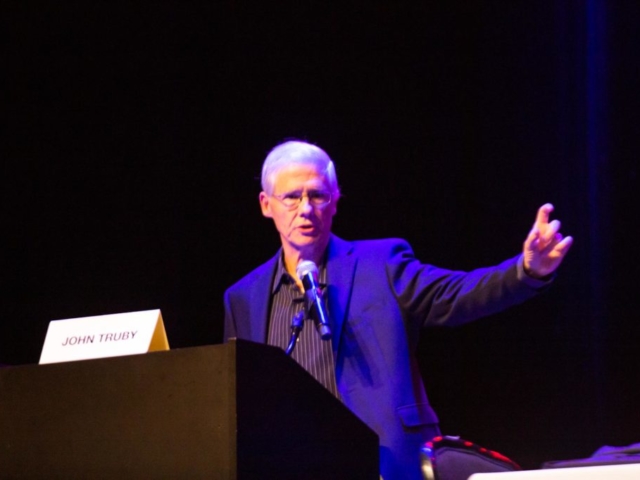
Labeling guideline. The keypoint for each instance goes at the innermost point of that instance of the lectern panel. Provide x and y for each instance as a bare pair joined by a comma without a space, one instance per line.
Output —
236,411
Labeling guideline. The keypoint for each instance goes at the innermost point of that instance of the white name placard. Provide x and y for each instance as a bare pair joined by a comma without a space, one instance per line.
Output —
630,471
104,336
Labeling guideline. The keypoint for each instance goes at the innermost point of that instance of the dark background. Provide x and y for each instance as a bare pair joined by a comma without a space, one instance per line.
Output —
132,139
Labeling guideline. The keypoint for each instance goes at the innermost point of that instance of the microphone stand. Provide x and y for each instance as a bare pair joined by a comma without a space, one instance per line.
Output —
314,309
297,322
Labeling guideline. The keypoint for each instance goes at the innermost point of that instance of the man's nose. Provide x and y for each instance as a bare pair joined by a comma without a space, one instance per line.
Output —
305,206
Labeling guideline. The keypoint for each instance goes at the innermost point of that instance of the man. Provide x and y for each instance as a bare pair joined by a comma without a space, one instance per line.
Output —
379,297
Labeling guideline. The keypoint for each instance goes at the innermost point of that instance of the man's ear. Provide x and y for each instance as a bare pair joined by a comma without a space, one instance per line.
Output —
334,205
265,205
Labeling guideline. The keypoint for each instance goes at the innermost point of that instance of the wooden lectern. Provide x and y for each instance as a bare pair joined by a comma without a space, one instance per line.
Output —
234,411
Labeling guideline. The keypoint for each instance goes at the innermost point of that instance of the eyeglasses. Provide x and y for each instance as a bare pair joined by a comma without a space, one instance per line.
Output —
316,198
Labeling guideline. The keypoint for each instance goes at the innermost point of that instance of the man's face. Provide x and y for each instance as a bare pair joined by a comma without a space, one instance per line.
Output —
306,227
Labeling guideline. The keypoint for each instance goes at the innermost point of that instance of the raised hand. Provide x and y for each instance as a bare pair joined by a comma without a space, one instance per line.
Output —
545,248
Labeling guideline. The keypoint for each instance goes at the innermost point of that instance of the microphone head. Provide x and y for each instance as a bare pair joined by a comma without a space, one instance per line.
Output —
306,267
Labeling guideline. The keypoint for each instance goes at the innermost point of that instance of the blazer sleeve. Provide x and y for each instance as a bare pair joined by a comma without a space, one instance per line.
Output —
430,295
230,330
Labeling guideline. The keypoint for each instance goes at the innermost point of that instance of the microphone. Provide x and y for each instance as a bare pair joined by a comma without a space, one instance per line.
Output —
307,272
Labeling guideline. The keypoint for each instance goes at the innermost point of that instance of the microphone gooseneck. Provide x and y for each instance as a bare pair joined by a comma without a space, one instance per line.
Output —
297,322
307,272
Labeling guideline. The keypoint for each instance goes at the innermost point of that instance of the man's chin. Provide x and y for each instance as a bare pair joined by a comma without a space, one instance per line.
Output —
307,241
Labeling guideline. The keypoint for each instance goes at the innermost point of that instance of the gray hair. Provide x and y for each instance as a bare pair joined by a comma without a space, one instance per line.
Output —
297,152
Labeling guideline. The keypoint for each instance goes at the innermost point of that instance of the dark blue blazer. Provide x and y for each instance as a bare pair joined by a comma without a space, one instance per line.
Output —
379,297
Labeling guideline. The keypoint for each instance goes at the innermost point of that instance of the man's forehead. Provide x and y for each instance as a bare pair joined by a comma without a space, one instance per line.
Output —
300,172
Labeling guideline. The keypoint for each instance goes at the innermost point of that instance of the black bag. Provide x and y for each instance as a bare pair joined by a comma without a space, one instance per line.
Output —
451,458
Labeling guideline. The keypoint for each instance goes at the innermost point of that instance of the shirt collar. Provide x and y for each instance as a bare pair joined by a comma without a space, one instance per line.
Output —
281,277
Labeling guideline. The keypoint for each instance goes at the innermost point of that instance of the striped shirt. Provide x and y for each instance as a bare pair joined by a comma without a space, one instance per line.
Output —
314,354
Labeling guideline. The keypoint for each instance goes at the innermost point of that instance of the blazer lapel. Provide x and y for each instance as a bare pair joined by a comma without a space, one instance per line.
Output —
259,299
341,265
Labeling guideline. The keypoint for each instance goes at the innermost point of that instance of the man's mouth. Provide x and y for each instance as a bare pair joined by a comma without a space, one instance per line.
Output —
306,228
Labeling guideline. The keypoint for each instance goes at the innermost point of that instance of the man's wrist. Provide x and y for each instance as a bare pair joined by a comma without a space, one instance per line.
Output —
525,274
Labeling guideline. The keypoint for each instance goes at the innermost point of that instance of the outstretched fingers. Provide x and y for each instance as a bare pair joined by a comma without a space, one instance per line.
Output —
549,232
562,247
545,247
542,217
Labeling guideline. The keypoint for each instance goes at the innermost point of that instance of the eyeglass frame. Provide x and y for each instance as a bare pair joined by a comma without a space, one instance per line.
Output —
282,196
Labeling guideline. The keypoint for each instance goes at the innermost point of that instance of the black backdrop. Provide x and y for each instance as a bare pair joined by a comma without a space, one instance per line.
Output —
132,139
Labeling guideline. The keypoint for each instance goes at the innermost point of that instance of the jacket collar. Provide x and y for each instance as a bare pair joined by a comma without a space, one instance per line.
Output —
341,265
